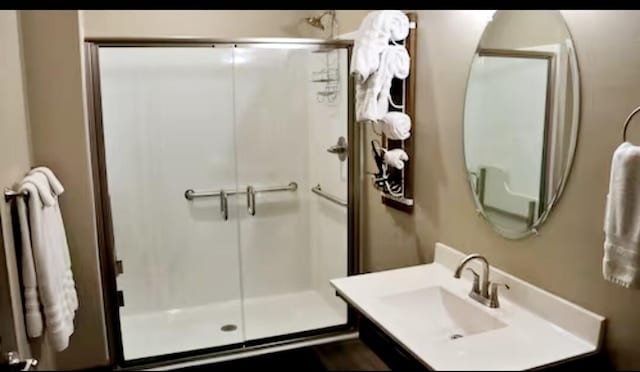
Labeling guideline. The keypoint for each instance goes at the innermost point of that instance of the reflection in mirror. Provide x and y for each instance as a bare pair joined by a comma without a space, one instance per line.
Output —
520,119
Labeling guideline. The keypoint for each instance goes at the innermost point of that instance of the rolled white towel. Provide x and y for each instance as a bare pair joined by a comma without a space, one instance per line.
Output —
394,63
396,158
372,96
396,125
373,36
392,22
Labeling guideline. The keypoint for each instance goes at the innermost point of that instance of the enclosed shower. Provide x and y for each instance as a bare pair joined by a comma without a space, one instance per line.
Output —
225,197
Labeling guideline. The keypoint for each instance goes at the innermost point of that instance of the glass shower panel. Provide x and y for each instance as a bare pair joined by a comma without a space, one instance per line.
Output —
168,127
285,275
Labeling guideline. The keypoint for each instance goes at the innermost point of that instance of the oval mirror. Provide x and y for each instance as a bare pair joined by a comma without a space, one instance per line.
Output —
521,119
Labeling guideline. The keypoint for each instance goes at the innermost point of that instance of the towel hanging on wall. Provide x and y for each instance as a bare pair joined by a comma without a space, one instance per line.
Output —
46,265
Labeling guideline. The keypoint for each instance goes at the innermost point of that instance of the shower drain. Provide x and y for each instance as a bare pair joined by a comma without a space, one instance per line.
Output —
228,327
455,336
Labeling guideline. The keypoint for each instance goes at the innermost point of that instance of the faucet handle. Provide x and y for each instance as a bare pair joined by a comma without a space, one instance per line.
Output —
493,294
476,281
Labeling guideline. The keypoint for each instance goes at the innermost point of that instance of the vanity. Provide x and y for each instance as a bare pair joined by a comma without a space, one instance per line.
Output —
421,317
521,116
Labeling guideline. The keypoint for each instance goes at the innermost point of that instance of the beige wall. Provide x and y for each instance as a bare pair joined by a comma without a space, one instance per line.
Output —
52,55
566,258
15,160
202,23
513,29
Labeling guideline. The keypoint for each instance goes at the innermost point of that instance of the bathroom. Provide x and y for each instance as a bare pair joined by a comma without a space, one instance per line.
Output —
59,87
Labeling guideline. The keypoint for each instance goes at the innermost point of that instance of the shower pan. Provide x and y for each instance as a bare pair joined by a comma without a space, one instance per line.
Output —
205,155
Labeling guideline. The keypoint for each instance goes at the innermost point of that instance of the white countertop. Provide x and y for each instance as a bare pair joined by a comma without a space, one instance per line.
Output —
537,327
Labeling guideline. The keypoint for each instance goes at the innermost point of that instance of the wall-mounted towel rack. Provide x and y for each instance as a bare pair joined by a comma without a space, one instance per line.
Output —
626,123
402,99
10,194
317,189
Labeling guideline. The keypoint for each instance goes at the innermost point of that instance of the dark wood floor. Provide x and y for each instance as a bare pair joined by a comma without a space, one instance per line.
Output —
351,355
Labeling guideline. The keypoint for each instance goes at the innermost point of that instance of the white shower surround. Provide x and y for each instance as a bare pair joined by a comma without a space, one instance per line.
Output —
186,262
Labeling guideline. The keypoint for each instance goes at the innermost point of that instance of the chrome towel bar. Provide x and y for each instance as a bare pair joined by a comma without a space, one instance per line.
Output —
318,190
10,194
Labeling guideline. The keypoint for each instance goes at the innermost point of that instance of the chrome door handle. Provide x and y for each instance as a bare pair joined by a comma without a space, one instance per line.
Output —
224,205
251,200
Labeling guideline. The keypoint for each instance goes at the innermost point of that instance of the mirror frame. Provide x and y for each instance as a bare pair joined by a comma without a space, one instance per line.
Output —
575,125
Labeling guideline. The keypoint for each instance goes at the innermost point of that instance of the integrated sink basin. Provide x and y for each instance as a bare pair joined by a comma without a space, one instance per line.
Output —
429,314
444,315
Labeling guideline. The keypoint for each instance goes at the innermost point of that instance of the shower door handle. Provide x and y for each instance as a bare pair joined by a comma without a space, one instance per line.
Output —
224,205
251,200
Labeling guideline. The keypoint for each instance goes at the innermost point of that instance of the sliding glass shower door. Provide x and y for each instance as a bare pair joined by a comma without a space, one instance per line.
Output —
284,284
211,154
168,127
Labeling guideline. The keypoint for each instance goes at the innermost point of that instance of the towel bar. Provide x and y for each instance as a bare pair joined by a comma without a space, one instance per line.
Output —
10,194
626,123
318,190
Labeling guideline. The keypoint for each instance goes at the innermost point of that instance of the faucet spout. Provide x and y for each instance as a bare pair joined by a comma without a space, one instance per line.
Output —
484,281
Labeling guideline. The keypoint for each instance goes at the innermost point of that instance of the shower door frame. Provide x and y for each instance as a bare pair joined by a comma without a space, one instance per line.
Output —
109,267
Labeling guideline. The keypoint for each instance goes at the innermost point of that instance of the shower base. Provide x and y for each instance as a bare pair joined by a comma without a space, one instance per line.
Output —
173,331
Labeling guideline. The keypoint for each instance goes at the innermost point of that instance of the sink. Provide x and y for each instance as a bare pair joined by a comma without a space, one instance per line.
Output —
444,315
428,313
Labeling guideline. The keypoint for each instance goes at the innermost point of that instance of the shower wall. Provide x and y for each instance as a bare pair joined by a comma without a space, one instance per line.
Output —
328,239
223,118
211,119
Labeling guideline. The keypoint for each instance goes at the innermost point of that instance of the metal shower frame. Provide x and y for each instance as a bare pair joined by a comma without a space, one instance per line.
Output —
109,266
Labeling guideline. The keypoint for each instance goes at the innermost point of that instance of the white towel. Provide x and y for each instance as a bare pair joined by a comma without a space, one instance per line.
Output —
54,183
621,262
396,158
58,189
396,125
372,96
46,270
394,63
374,34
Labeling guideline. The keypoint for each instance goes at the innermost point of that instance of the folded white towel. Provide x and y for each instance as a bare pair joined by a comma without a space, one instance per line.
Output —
54,183
372,96
58,189
396,125
396,158
46,271
373,36
621,262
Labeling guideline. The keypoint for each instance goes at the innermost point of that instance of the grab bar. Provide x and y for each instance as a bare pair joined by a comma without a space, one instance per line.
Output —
251,192
191,194
318,190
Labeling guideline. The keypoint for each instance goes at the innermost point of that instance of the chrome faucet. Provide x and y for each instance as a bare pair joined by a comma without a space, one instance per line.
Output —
483,290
